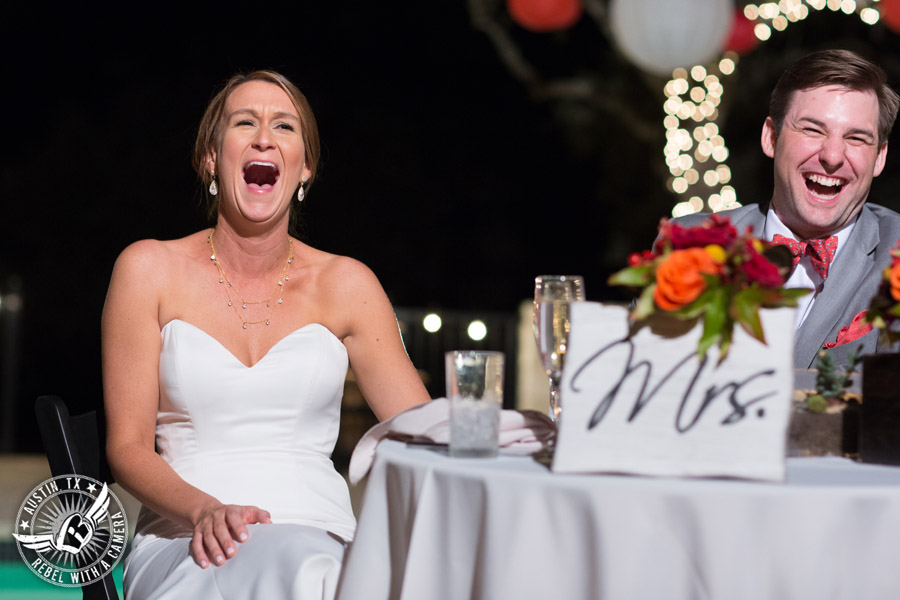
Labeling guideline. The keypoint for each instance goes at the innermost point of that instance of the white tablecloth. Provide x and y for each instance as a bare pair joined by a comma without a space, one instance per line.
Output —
433,527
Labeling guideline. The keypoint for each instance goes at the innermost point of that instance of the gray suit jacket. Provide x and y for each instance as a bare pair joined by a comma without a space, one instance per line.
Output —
852,279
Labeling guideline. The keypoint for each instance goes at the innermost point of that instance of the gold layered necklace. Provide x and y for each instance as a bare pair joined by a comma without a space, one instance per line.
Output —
274,299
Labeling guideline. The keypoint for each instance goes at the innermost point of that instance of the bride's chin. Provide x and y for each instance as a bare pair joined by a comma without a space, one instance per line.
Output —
263,214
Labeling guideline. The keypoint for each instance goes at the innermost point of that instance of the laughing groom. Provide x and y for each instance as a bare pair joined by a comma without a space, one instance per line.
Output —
830,116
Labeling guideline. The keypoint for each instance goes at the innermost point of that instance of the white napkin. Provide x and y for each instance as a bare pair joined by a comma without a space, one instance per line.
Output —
521,432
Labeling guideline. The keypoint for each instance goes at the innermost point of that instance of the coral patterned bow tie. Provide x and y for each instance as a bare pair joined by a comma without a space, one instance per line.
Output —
820,252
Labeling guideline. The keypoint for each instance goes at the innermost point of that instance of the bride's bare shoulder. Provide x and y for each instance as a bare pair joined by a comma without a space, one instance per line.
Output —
164,251
343,271
158,257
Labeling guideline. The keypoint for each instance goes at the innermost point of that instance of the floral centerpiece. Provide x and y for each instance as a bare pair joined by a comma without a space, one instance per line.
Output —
709,272
884,309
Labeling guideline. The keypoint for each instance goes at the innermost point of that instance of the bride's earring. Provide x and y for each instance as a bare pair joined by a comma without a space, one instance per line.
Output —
213,188
300,193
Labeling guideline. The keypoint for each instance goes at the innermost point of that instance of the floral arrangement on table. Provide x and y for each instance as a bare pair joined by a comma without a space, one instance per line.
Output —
710,272
884,309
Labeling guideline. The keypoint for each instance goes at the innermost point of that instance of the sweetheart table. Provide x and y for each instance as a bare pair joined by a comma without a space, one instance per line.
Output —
437,527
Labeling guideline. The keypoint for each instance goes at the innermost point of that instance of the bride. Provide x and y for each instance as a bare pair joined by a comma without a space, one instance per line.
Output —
224,357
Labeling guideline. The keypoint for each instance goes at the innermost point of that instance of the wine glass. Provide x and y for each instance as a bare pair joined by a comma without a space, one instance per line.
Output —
552,295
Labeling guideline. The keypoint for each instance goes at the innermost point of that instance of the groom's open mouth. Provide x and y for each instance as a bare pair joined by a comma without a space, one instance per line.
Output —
823,187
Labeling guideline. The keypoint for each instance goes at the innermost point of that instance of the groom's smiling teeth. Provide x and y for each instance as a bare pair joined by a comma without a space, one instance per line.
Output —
822,187
260,174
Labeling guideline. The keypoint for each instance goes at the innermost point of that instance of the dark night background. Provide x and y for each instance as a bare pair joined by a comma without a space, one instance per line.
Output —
454,181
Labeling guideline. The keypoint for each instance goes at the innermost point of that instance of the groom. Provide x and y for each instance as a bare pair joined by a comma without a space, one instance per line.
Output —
830,116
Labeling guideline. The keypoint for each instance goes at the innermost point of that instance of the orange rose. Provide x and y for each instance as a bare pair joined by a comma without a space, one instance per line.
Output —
895,282
678,279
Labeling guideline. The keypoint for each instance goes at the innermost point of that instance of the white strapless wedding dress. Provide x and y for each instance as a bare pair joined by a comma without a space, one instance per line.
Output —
260,435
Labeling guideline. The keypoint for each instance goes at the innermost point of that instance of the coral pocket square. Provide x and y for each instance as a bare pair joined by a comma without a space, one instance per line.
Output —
855,330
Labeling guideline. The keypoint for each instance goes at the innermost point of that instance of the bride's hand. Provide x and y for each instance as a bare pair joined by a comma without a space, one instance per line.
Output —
217,528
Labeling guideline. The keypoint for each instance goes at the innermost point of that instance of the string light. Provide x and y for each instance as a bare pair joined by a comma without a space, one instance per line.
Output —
695,151
694,148
780,14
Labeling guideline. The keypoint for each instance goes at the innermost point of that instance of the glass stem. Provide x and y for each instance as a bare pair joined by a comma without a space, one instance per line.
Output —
554,396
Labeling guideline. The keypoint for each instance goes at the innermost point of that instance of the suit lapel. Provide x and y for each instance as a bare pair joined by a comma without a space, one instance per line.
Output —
847,273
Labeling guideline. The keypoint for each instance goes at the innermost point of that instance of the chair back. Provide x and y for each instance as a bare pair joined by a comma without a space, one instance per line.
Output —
74,447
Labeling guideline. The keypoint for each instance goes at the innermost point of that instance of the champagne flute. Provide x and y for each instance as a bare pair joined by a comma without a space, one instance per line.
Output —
552,295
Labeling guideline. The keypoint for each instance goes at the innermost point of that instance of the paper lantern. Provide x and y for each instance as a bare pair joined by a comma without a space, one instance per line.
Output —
890,14
742,39
660,35
544,15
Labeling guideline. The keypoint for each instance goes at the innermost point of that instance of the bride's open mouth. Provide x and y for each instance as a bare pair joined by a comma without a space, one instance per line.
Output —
260,175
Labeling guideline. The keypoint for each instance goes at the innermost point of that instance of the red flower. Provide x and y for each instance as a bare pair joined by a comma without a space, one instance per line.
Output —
636,259
715,230
760,270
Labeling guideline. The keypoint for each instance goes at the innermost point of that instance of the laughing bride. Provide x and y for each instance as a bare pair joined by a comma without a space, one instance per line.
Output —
224,358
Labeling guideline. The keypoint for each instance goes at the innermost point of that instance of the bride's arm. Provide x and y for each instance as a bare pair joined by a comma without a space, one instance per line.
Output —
386,377
131,346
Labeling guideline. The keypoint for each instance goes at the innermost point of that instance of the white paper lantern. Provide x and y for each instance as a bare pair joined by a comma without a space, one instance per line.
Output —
661,35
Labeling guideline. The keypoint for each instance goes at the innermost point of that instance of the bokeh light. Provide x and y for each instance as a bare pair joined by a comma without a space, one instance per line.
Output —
477,330
432,323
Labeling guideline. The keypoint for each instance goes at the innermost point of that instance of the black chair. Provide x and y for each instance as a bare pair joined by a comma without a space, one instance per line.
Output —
74,446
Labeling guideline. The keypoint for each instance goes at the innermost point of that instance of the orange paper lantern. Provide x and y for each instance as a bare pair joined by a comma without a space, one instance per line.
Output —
544,15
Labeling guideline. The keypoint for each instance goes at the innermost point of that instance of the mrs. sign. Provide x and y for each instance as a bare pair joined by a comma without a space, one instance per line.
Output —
648,405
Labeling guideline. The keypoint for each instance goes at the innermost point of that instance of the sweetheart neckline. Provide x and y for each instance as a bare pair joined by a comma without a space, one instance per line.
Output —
264,356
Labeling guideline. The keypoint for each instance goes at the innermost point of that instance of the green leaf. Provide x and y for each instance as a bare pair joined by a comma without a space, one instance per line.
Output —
714,319
706,342
894,310
632,276
725,340
783,297
745,310
795,293
699,306
645,304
